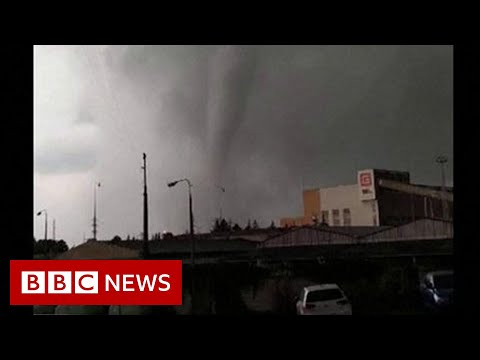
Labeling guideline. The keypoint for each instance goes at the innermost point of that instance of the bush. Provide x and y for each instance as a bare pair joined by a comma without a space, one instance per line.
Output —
44,309
81,310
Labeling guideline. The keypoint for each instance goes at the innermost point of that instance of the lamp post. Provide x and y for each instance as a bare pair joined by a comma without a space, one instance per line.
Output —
46,220
192,237
172,184
442,160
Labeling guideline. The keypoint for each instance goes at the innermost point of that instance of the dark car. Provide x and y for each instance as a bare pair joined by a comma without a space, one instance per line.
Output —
436,291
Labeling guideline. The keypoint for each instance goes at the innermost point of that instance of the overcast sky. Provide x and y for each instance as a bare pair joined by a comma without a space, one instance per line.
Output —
261,121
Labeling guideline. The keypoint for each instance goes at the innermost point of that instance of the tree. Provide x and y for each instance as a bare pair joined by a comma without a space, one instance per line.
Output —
216,225
221,225
128,237
249,226
236,227
255,225
167,235
272,225
116,239
50,247
61,246
224,226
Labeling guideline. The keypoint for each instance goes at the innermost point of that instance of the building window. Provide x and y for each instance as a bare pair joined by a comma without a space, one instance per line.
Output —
325,217
336,217
347,219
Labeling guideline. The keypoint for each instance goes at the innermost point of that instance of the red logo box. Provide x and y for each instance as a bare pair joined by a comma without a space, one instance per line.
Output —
95,282
365,179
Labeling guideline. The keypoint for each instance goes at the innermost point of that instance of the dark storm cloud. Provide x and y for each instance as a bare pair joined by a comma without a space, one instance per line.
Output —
170,80
291,115
231,72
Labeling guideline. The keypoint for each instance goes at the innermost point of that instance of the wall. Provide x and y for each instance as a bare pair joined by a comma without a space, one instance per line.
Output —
311,204
397,208
311,208
363,213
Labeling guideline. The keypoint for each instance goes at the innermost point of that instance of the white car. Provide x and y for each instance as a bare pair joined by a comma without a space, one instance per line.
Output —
324,299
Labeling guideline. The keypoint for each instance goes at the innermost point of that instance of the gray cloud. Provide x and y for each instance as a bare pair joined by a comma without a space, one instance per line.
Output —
311,115
64,159
266,120
84,117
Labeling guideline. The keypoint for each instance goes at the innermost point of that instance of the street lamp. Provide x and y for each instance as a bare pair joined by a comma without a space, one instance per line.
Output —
442,160
192,239
172,184
46,220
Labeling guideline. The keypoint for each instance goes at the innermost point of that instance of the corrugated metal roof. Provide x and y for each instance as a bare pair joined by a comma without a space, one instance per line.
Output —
298,236
416,230
308,236
201,245
356,231
98,250
312,236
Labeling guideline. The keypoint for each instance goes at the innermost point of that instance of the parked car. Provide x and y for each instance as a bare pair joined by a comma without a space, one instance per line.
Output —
436,290
323,299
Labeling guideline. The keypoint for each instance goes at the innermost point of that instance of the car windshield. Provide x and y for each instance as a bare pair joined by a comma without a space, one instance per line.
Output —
443,281
324,295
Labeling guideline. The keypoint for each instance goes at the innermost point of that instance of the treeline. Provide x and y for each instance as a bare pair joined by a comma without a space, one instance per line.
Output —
222,225
49,247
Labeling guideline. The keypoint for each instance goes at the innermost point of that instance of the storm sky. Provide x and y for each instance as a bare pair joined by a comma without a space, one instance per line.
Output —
261,121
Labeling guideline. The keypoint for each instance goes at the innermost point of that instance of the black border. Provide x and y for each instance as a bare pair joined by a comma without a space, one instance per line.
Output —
18,153
466,114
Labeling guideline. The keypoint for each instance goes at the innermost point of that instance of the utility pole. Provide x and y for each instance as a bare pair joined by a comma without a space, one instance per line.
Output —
222,189
442,160
46,226
54,229
46,221
192,252
95,210
145,207
192,236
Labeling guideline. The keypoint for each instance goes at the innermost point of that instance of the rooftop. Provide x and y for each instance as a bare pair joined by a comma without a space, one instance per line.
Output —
202,245
322,287
100,250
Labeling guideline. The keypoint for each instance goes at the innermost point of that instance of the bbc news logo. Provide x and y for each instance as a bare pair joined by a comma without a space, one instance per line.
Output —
59,282
95,282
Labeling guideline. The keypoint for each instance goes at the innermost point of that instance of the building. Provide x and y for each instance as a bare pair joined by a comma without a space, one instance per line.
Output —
379,198
100,250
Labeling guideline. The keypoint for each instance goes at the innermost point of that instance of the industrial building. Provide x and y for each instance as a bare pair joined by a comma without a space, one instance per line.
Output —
379,198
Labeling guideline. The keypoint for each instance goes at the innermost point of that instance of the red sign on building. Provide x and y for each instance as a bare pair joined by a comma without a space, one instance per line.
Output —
365,179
